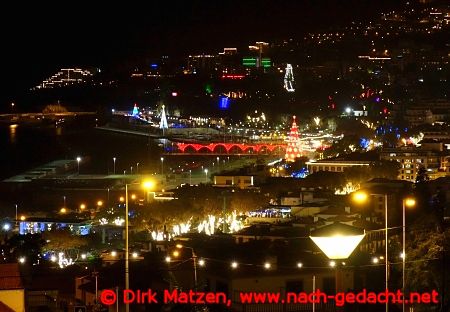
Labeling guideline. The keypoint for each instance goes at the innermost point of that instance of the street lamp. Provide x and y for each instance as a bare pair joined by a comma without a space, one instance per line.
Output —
194,259
146,184
190,177
114,161
337,241
137,168
361,197
406,202
78,163
206,175
162,165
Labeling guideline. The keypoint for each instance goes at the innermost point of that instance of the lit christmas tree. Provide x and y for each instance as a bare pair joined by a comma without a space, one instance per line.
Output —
293,149
135,110
163,123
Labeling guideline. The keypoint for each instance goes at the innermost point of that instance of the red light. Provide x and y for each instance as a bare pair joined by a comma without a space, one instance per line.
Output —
228,146
385,110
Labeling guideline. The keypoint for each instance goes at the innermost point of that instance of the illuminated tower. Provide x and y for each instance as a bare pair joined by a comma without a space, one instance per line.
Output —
293,149
163,123
289,79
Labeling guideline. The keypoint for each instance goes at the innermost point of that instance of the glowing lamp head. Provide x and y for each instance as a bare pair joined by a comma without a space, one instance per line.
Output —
22,218
133,196
176,253
167,259
234,265
83,256
201,262
121,199
82,206
99,203
148,185
267,265
337,241
114,253
410,202
78,159
360,197
179,246
63,210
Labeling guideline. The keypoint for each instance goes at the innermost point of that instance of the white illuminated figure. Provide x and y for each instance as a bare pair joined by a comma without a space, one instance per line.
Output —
289,79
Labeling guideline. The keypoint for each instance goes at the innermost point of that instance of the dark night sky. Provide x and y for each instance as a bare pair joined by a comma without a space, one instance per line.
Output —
38,41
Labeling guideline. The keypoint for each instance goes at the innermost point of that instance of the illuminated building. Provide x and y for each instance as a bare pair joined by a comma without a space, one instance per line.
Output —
201,63
334,165
430,156
66,77
293,149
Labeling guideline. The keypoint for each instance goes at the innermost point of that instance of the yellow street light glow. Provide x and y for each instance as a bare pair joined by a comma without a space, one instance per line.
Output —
63,210
82,206
410,202
113,253
375,260
201,262
299,265
234,265
134,254
99,203
338,246
133,196
332,264
176,253
167,259
179,246
267,265
360,197
22,218
121,199
148,185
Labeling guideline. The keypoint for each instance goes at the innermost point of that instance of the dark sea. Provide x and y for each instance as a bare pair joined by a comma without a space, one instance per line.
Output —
24,147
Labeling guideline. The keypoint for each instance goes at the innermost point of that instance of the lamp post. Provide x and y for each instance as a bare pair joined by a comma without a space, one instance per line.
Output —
406,202
137,168
162,165
362,197
337,241
190,177
114,165
146,184
78,163
194,259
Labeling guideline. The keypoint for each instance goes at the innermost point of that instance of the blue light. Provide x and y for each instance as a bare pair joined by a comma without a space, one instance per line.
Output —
364,143
302,173
154,65
224,102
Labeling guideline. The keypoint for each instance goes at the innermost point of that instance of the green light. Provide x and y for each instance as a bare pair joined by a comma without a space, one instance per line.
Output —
266,62
249,61
208,88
